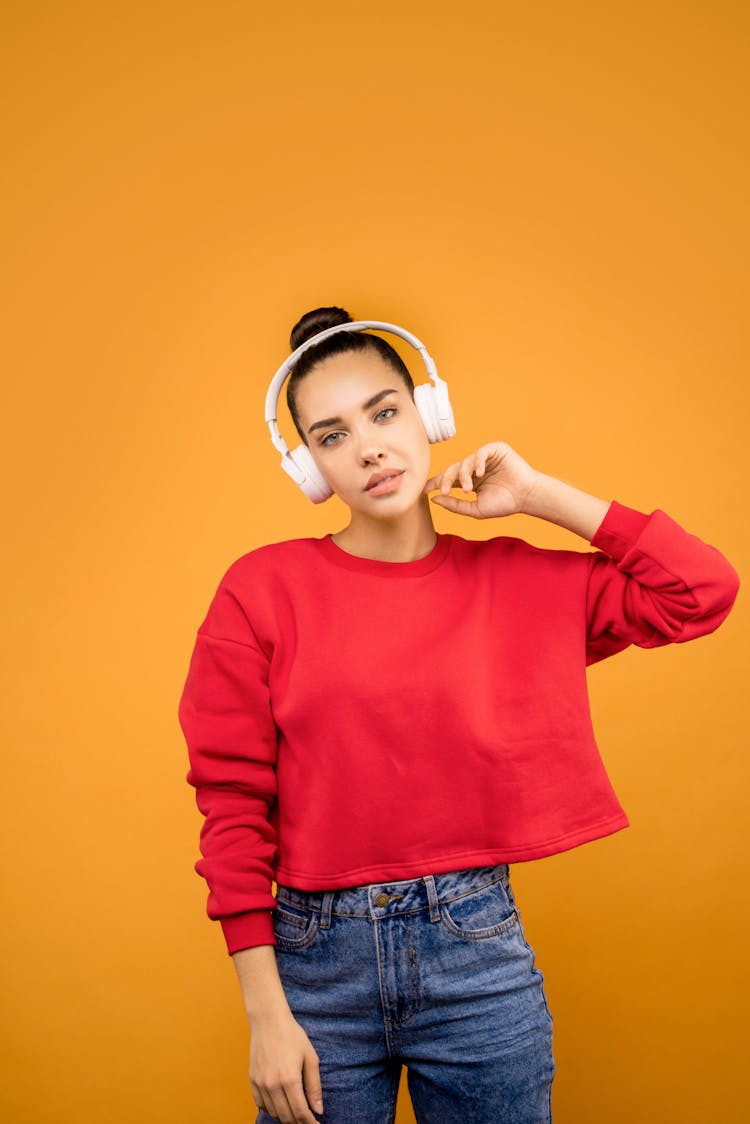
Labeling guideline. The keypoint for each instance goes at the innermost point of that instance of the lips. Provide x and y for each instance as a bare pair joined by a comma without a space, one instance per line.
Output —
379,477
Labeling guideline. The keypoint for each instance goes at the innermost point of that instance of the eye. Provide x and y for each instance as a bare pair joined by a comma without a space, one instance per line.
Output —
327,439
387,410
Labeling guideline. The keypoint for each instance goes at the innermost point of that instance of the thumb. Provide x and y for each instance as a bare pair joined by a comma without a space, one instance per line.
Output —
311,1081
453,503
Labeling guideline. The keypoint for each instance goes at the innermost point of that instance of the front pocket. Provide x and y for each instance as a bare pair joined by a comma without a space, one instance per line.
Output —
294,926
486,912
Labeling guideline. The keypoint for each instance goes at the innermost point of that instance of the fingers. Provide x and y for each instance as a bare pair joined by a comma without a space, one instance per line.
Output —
296,1103
286,1102
311,1081
462,472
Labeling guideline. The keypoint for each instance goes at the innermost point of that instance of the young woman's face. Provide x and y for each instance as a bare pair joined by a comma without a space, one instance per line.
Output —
360,421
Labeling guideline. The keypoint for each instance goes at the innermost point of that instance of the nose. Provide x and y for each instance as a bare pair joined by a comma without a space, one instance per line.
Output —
371,450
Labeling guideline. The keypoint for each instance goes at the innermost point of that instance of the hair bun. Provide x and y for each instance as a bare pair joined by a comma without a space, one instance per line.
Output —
317,321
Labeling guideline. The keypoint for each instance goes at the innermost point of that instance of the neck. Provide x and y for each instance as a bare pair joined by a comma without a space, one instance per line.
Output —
405,538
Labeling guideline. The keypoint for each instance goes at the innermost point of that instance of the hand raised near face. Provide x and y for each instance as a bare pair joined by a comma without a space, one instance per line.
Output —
501,479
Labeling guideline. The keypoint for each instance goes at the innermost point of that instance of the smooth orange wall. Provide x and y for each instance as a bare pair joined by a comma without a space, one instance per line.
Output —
552,196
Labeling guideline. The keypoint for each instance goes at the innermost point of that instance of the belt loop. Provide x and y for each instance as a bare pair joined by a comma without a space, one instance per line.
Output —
325,909
432,897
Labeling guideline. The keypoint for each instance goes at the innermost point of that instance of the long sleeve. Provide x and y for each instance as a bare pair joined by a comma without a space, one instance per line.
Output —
225,714
652,583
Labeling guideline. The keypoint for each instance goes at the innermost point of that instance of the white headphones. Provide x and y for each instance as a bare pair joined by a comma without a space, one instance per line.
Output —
432,402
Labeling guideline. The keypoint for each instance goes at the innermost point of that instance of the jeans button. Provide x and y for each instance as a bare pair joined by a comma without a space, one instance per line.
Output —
382,899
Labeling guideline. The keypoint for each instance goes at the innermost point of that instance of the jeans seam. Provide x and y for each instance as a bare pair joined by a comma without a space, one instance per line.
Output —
498,930
394,1098
473,890
386,1019
311,931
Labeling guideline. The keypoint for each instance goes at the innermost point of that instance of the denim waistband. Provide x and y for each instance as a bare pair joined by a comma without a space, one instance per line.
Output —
381,899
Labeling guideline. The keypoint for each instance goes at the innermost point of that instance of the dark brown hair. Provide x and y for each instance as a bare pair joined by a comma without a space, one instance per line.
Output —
337,344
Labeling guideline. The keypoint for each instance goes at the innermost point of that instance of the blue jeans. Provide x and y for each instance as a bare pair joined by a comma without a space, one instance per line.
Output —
434,973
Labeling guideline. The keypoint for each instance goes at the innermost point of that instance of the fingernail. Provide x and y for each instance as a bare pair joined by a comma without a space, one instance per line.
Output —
318,1106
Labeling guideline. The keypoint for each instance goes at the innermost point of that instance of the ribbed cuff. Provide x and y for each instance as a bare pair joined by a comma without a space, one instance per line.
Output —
246,930
619,530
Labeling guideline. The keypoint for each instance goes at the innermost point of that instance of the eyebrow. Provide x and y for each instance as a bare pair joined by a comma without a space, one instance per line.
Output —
366,406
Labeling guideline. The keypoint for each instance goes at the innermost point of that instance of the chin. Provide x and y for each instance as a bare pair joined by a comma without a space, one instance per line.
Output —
403,506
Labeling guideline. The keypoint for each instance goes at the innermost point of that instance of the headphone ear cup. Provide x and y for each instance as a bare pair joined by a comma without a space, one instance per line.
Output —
435,410
314,485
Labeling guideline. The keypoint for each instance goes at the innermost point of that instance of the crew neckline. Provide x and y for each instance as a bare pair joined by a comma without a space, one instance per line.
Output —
416,568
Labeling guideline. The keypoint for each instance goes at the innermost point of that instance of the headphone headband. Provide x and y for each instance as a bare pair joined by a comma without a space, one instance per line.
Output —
274,390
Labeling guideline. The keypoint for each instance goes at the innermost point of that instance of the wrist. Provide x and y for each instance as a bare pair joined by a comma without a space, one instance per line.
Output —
263,994
269,1012
569,507
539,499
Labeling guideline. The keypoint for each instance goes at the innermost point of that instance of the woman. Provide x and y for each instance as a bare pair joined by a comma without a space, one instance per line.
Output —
381,720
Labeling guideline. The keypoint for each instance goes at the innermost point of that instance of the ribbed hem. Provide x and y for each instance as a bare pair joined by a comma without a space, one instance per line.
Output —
460,860
619,530
246,930
415,569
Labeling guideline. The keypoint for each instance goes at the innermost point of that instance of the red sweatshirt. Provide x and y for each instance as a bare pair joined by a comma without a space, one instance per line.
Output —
352,721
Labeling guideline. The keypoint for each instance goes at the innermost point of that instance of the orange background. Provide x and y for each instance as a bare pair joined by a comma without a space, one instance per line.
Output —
554,198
